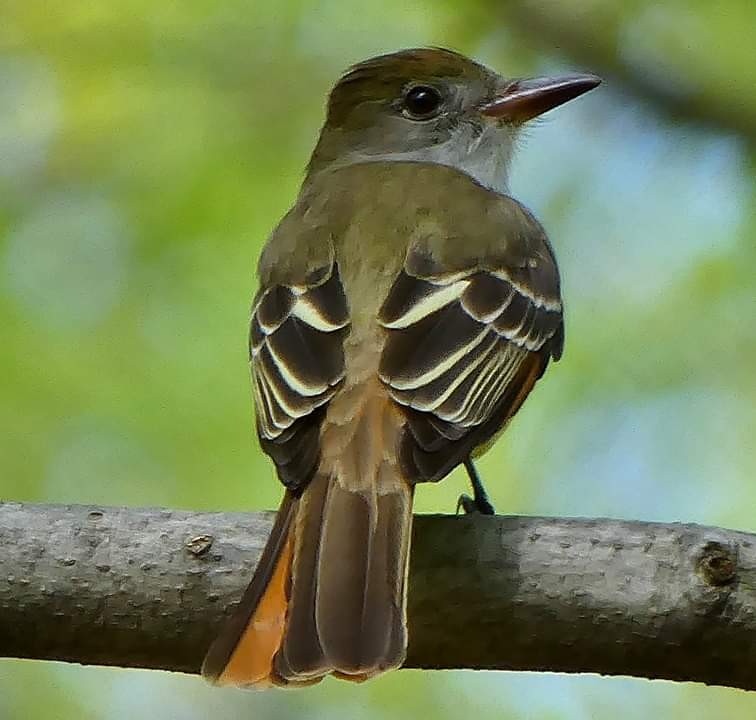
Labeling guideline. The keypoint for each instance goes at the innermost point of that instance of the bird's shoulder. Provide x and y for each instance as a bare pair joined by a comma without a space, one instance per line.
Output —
437,216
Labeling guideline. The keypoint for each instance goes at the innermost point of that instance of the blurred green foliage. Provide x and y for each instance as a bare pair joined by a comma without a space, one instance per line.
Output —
146,150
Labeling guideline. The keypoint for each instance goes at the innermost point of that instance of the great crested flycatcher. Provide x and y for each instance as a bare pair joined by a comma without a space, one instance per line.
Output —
407,306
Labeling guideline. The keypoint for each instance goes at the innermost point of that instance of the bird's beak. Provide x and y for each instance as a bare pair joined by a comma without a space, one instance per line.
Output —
521,100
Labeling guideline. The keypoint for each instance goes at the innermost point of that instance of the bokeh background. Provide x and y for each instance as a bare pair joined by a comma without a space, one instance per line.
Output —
147,149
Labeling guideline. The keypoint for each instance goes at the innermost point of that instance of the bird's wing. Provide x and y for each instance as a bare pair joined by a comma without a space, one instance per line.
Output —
469,331
297,358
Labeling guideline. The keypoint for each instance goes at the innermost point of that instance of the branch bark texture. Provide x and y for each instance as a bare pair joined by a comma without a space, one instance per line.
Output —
149,588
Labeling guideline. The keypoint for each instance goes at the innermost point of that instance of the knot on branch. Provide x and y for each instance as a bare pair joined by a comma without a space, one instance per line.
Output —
717,564
199,544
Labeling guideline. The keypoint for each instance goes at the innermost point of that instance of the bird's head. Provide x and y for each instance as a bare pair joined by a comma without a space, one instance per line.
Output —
435,105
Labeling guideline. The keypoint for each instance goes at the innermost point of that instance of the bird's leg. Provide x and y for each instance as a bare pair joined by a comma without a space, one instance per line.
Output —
479,502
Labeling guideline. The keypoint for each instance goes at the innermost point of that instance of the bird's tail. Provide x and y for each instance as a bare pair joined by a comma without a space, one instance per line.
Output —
329,593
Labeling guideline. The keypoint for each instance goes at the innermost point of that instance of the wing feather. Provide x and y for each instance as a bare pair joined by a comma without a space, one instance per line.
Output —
297,358
458,347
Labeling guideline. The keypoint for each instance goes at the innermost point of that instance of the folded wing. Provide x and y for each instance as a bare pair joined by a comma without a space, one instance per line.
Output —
297,357
464,348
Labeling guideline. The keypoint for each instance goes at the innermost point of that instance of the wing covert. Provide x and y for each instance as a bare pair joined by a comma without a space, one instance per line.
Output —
297,358
465,346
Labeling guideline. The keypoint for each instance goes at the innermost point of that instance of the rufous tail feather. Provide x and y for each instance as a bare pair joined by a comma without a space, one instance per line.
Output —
329,594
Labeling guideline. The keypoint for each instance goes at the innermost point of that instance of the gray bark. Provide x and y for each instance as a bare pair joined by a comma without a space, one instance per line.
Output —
149,588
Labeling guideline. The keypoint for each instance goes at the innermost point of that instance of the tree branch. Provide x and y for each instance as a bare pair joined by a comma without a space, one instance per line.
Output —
149,588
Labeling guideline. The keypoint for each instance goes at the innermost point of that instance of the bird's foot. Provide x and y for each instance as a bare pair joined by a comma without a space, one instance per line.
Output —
478,505
479,502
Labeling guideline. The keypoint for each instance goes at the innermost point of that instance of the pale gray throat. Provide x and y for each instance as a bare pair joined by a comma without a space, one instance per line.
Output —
485,157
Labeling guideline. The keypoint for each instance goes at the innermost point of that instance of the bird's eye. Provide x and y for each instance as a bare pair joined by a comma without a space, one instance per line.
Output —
422,102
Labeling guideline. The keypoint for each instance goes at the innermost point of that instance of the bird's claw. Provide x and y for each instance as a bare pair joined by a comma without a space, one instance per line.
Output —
481,506
479,502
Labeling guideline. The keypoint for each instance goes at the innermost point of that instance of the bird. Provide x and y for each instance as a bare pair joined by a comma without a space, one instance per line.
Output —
407,305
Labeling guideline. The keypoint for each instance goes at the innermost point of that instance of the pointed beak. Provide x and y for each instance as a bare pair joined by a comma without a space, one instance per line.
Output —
522,100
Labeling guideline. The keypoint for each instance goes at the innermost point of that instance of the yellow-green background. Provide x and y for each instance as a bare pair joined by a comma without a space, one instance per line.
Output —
146,150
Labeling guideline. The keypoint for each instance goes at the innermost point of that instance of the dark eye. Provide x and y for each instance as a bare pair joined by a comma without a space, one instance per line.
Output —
422,102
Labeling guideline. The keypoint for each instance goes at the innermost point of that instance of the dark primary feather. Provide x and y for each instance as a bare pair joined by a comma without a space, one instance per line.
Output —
297,357
416,355
462,352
